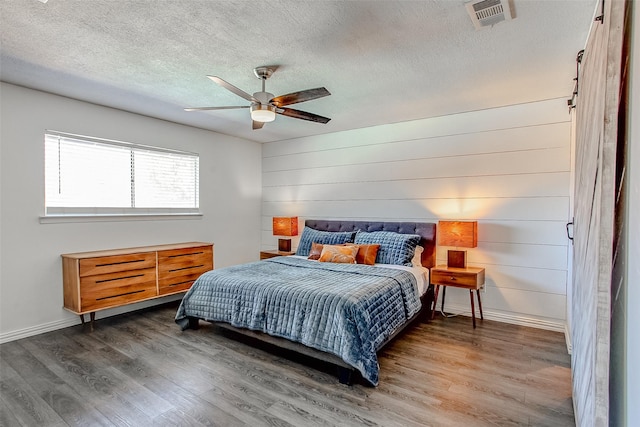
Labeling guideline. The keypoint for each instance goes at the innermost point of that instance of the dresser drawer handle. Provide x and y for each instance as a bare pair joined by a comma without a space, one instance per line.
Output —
188,254
120,278
121,295
181,283
452,278
186,268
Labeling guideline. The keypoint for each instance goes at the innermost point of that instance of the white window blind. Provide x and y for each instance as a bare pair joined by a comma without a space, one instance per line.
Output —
91,176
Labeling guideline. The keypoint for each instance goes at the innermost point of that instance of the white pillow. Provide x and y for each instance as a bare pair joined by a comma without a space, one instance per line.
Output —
416,261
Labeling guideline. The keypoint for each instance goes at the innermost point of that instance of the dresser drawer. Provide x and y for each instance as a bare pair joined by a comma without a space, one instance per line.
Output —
179,268
115,263
175,283
113,289
185,259
460,279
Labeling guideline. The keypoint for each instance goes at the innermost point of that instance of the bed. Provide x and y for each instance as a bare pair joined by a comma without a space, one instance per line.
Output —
319,303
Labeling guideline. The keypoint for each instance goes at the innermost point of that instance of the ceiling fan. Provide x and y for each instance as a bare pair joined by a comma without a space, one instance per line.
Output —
264,106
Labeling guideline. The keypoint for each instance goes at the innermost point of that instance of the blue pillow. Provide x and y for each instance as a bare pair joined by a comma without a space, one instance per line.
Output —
310,235
395,248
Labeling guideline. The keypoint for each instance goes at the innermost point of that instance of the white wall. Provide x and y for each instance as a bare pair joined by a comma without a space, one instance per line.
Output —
30,267
508,168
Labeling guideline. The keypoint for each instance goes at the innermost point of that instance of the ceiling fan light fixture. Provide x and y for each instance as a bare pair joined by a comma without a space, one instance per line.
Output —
264,106
263,113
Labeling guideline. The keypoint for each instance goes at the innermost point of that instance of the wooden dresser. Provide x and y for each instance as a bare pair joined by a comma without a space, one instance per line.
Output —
98,280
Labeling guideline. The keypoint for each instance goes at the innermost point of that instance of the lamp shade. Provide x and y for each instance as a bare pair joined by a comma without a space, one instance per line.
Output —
263,113
285,226
462,234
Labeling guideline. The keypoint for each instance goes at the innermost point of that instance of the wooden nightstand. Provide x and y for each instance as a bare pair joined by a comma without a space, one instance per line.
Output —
274,253
471,278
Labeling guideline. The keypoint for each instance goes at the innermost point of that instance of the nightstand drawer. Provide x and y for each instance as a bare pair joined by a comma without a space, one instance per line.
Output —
458,278
273,254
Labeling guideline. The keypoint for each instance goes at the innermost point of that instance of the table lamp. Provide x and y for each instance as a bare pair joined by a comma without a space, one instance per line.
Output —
461,234
285,226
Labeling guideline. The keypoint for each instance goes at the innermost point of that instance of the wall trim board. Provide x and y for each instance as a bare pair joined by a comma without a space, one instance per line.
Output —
511,318
66,219
542,137
38,329
543,112
460,310
567,337
75,320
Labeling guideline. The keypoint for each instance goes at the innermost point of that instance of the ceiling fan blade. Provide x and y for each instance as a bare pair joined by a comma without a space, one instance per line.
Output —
215,108
297,114
302,96
232,88
257,125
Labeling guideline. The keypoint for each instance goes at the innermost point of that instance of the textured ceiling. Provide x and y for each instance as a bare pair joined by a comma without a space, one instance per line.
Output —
383,61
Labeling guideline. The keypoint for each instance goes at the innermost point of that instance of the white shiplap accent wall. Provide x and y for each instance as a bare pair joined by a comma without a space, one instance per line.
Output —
508,168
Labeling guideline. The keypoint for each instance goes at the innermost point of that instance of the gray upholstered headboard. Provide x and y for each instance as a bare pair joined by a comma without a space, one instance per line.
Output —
426,230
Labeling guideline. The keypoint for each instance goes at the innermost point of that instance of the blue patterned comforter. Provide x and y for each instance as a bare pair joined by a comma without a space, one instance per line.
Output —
345,309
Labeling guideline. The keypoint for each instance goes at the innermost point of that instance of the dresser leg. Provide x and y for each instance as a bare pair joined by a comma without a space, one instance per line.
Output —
92,317
473,310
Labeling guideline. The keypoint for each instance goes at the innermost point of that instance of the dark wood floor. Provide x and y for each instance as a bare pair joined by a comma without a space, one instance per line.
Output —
139,369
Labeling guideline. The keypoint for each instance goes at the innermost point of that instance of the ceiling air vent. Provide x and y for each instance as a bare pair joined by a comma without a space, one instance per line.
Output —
485,13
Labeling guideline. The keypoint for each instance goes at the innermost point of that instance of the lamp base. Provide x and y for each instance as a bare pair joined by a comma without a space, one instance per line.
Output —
284,245
457,259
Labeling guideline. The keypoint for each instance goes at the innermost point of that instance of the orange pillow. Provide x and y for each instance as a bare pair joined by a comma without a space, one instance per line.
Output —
316,250
339,254
367,254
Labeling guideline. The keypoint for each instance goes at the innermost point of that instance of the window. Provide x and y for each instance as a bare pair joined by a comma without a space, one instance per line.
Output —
91,176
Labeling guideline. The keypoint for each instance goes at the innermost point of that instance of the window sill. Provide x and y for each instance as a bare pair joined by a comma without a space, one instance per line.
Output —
76,218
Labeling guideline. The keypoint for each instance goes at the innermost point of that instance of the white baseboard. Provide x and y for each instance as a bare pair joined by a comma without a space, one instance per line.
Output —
567,337
558,326
38,329
75,320
550,325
